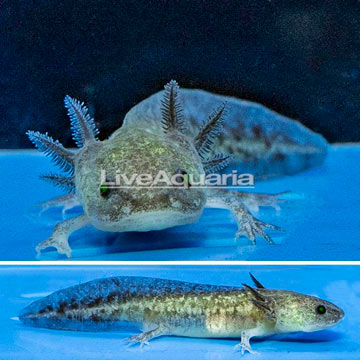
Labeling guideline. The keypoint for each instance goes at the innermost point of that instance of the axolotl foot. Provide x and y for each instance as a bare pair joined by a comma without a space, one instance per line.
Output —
145,337
60,235
251,227
244,345
65,202
253,201
238,203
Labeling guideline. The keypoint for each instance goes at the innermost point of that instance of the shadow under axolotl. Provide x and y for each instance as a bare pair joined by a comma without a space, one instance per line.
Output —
92,242
305,337
214,229
321,336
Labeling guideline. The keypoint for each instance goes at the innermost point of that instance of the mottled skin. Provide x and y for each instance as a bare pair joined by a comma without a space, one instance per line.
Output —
139,151
168,307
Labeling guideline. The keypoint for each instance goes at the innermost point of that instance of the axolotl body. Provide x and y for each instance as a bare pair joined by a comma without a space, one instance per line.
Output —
167,307
161,135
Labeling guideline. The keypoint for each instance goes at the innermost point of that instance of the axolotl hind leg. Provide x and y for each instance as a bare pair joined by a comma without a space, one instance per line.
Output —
254,201
235,201
146,336
66,202
61,233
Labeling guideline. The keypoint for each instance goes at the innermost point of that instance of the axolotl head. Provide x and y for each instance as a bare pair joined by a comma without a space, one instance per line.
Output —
140,181
101,173
298,312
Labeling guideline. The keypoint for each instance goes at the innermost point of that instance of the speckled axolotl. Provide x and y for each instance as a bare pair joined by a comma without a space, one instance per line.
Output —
167,307
160,134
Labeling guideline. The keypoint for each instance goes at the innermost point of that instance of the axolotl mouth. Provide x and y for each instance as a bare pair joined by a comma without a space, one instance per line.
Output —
146,221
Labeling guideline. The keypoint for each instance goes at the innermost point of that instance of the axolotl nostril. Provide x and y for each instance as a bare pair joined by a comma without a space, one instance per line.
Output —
160,136
167,307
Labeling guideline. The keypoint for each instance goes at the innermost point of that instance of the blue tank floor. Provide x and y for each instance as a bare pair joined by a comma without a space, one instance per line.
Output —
321,219
22,285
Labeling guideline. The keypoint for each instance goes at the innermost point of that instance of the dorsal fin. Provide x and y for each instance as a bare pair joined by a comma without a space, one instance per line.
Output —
82,124
257,283
65,183
62,157
171,110
217,163
209,130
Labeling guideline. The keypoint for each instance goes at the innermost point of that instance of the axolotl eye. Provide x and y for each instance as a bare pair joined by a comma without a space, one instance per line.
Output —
321,309
181,178
104,190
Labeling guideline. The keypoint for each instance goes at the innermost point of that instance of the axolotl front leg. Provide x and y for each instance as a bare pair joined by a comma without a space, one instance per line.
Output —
61,233
238,203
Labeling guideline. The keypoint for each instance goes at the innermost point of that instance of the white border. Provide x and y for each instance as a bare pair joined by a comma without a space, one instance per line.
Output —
177,263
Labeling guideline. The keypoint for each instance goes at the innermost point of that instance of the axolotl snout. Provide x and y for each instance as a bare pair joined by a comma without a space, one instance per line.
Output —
158,137
167,307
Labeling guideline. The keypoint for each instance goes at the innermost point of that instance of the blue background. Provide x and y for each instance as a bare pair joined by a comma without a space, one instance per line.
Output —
22,285
321,219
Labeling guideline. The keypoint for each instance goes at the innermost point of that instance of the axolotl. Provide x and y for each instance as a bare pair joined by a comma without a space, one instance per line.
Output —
164,133
168,307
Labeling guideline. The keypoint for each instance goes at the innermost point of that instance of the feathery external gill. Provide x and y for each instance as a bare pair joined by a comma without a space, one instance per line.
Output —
172,112
65,183
217,163
82,124
62,157
210,129
257,283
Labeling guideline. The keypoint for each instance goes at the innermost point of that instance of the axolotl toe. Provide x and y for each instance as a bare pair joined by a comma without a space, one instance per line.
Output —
97,175
168,307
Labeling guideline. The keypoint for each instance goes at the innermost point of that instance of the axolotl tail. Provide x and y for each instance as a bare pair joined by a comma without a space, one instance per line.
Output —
99,305
261,141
